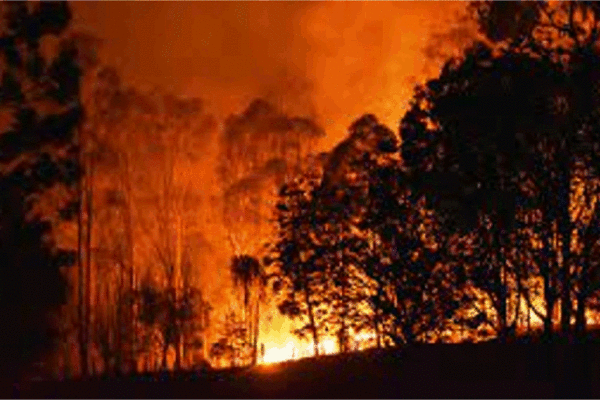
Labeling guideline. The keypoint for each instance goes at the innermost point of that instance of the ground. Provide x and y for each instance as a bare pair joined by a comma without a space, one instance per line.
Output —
440,370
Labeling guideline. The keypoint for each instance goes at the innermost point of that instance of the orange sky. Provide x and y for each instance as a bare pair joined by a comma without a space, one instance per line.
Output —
333,59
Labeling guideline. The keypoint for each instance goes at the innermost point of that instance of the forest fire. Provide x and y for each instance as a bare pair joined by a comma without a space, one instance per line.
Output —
293,350
195,189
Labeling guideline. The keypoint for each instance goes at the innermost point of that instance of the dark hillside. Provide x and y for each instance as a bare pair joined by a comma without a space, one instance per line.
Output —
442,370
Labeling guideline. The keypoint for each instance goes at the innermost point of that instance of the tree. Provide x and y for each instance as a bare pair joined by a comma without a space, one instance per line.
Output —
233,344
146,141
339,200
566,33
39,102
355,252
399,248
248,273
298,280
586,283
258,149
106,150
502,129
174,315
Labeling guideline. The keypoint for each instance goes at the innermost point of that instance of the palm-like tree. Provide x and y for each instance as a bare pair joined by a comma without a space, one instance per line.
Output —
248,274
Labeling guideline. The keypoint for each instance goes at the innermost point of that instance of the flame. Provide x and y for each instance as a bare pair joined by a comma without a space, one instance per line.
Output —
295,350
279,354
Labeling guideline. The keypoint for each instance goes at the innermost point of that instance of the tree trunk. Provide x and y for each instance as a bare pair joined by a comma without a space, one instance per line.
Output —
256,331
377,329
550,302
547,276
88,250
164,356
311,319
528,320
580,321
565,230
500,283
130,262
178,352
502,307
83,350
119,321
515,323
343,345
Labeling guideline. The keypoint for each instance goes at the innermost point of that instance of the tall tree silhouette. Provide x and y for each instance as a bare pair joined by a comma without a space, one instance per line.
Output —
341,191
248,274
502,128
399,250
299,279
173,314
356,252
566,33
39,101
586,283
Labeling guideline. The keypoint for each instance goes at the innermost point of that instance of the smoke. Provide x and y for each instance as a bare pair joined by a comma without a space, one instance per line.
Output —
330,61
258,149
263,137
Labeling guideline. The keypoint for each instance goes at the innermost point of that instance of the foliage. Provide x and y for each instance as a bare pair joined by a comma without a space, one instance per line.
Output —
39,104
174,314
499,132
413,283
246,270
300,277
259,148
356,252
233,345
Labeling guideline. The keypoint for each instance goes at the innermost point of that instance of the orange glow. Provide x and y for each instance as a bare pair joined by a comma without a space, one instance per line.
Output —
279,354
294,349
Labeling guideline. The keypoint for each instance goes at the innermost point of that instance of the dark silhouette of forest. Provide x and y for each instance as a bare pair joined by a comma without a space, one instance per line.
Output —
475,219
38,151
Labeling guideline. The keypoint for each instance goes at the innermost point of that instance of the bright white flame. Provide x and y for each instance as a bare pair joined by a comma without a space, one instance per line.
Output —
364,339
294,349
329,346
278,354
291,351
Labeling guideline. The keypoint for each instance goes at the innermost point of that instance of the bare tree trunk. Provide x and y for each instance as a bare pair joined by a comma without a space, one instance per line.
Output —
547,276
550,303
178,285
501,282
565,230
88,272
377,329
102,329
584,289
164,356
517,319
256,331
580,322
130,261
342,333
83,350
178,351
311,319
528,320
119,321
110,329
